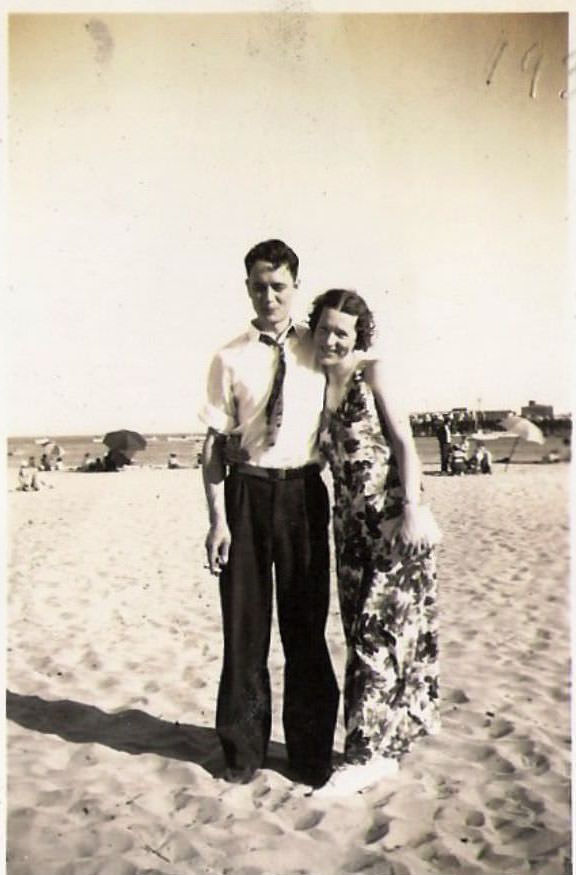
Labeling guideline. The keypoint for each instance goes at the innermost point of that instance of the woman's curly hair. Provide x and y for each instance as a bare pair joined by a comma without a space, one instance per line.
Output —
347,301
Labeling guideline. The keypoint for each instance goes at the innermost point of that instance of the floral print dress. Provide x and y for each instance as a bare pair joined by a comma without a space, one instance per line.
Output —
388,601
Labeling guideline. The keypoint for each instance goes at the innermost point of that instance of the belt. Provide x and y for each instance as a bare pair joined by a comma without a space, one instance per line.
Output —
277,473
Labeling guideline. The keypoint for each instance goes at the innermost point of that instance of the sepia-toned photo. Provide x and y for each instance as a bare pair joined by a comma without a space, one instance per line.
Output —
288,420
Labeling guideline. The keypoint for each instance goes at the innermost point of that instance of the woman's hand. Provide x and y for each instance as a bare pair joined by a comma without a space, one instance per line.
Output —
417,530
234,454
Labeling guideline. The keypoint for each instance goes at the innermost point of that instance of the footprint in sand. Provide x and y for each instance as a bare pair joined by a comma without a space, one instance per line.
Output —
261,788
524,746
500,727
308,820
19,825
528,757
87,844
502,863
197,683
179,849
519,808
370,864
278,799
50,798
377,831
435,853
475,818
456,697
152,687
116,841
182,798
208,811
486,754
545,634
537,763
108,683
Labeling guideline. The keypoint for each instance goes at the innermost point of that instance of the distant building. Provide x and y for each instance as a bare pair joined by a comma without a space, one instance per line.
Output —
496,414
533,409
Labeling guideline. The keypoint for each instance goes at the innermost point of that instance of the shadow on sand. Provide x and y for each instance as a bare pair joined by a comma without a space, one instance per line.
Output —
131,731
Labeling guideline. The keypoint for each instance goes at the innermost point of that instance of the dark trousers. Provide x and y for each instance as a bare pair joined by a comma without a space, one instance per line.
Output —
445,450
283,524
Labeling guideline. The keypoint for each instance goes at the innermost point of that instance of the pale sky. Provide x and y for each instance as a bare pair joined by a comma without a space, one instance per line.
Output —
147,153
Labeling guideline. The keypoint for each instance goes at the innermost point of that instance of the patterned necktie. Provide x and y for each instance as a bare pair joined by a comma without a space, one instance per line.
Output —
275,403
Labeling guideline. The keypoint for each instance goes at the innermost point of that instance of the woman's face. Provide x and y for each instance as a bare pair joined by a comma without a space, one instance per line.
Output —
334,337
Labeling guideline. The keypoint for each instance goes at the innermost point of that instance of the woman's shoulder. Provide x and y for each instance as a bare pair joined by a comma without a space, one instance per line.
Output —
370,369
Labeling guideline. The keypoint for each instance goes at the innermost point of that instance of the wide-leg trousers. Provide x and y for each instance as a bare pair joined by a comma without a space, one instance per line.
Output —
280,525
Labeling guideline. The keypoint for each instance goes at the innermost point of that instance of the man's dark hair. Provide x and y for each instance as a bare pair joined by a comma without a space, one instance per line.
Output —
276,253
347,301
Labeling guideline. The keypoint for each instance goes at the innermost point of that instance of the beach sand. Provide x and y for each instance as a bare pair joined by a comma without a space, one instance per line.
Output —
114,648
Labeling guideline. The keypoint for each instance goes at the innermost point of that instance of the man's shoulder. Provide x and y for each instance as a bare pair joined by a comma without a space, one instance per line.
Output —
236,343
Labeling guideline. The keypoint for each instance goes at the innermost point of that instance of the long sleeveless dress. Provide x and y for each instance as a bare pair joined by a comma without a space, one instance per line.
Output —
388,601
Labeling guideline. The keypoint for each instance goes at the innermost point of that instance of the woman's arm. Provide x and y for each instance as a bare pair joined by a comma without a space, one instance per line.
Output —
398,426
418,530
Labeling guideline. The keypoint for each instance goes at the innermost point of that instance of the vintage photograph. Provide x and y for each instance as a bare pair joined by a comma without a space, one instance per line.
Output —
288,442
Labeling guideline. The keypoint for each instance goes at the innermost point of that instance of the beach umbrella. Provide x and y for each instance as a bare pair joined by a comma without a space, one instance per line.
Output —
128,442
486,435
51,448
522,429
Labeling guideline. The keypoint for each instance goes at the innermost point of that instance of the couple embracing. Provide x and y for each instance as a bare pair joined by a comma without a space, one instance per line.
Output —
295,397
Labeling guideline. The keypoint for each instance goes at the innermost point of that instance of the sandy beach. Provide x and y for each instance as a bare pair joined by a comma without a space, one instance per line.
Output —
114,649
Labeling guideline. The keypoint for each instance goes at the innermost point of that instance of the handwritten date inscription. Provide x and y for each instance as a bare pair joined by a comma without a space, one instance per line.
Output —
531,63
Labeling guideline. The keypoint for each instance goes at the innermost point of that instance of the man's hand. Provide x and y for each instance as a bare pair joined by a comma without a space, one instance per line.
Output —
213,468
217,546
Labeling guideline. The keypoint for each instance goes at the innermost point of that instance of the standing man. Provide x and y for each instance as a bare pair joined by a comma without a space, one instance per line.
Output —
270,514
444,436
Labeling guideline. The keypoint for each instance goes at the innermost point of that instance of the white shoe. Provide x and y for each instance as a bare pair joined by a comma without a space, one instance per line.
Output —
351,778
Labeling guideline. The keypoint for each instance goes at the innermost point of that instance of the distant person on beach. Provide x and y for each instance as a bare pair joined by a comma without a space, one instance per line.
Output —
87,463
444,435
480,462
28,480
114,460
557,456
45,463
270,514
385,539
484,459
457,459
173,461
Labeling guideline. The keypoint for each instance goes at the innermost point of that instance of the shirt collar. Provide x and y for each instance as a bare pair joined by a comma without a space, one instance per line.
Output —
300,330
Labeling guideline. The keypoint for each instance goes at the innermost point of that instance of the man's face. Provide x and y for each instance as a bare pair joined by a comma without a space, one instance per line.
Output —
271,291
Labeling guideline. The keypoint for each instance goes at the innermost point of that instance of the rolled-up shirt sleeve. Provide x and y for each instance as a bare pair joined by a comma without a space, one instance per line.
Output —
219,409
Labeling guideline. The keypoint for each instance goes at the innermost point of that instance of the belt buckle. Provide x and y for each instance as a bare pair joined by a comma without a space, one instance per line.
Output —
279,473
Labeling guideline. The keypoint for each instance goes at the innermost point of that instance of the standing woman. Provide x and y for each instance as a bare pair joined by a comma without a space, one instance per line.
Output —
385,560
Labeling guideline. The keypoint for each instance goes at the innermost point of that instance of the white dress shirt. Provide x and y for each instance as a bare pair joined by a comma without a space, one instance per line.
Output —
239,384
